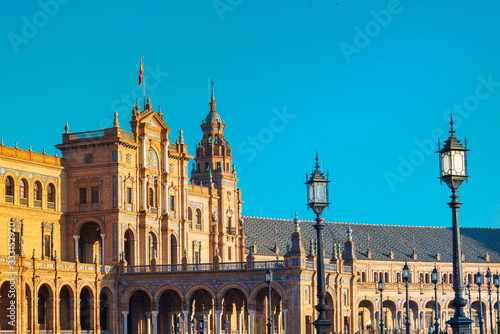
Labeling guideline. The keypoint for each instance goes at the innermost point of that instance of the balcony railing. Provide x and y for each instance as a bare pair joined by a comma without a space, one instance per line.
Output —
9,199
153,210
268,264
231,230
37,203
233,266
165,268
86,135
23,201
309,265
200,267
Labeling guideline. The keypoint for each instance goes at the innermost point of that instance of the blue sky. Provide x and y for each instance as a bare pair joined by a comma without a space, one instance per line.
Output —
368,84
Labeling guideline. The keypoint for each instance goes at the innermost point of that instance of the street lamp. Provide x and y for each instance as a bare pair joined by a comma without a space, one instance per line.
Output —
435,280
381,288
453,171
269,280
478,279
317,200
488,279
406,278
496,282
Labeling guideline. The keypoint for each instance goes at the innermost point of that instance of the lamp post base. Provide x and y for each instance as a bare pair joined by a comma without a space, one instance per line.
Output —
322,326
460,325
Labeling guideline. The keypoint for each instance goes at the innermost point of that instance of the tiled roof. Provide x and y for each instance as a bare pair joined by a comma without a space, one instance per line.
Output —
476,242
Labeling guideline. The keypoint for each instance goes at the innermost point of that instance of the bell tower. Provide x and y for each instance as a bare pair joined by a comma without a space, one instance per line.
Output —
213,168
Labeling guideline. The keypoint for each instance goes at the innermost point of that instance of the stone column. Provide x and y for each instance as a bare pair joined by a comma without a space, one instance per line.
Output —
77,238
155,321
218,314
278,324
143,144
285,327
125,314
251,322
43,240
419,320
103,249
145,193
165,156
397,321
52,242
148,322
186,321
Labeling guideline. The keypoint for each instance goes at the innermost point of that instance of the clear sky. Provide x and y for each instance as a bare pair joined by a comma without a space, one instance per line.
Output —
369,84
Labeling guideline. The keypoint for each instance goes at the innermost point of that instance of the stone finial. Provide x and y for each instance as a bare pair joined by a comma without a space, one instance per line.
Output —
16,145
30,149
115,120
181,138
1,142
296,221
438,256
487,257
349,232
369,254
159,112
391,254
66,127
149,100
43,151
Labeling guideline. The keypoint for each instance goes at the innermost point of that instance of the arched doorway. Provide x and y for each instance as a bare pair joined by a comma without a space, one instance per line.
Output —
138,320
90,243
152,247
366,315
389,308
105,313
129,247
86,309
66,312
200,308
170,310
330,314
430,314
173,249
5,321
44,308
234,311
413,318
262,310
27,307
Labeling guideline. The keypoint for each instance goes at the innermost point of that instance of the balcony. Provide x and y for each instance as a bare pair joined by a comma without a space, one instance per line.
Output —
153,210
9,199
231,230
23,201
37,204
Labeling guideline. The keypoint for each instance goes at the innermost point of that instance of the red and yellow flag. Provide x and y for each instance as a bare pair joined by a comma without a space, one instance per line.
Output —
140,73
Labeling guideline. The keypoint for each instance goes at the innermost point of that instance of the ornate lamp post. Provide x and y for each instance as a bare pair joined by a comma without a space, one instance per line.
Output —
317,200
496,282
269,280
381,288
406,278
478,279
488,280
435,280
453,170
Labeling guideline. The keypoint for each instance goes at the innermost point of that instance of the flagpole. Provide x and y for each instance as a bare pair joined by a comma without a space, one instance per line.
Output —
143,84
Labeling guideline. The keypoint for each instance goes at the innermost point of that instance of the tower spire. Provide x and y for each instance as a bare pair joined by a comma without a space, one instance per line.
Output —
212,100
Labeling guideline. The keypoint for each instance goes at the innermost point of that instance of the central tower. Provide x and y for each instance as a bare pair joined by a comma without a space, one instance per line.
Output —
213,168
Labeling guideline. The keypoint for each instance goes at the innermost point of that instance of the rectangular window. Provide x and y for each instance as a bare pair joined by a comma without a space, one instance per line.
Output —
129,195
172,203
207,166
83,195
346,297
113,155
229,253
95,194
17,246
46,250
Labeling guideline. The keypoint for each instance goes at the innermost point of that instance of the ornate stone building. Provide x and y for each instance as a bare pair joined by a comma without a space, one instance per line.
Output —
128,233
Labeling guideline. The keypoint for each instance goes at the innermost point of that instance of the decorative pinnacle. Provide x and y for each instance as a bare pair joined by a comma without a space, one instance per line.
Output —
451,124
317,159
212,102
213,97
66,127
137,101
149,100
115,121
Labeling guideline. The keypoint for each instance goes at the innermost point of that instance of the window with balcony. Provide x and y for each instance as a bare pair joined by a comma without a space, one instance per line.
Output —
51,196
23,192
9,190
94,195
198,219
37,194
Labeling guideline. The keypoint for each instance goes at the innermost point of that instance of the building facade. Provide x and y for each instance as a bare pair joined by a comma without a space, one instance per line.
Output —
128,233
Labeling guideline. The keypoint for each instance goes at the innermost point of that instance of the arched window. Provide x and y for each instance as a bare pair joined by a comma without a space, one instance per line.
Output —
375,277
9,190
451,278
445,279
51,196
387,277
151,198
198,219
23,189
363,277
190,214
37,191
427,278
398,278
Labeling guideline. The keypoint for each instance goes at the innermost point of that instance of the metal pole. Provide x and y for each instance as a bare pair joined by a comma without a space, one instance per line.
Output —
491,310
381,313
470,309
436,324
407,323
459,322
498,313
322,323
481,331
269,325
